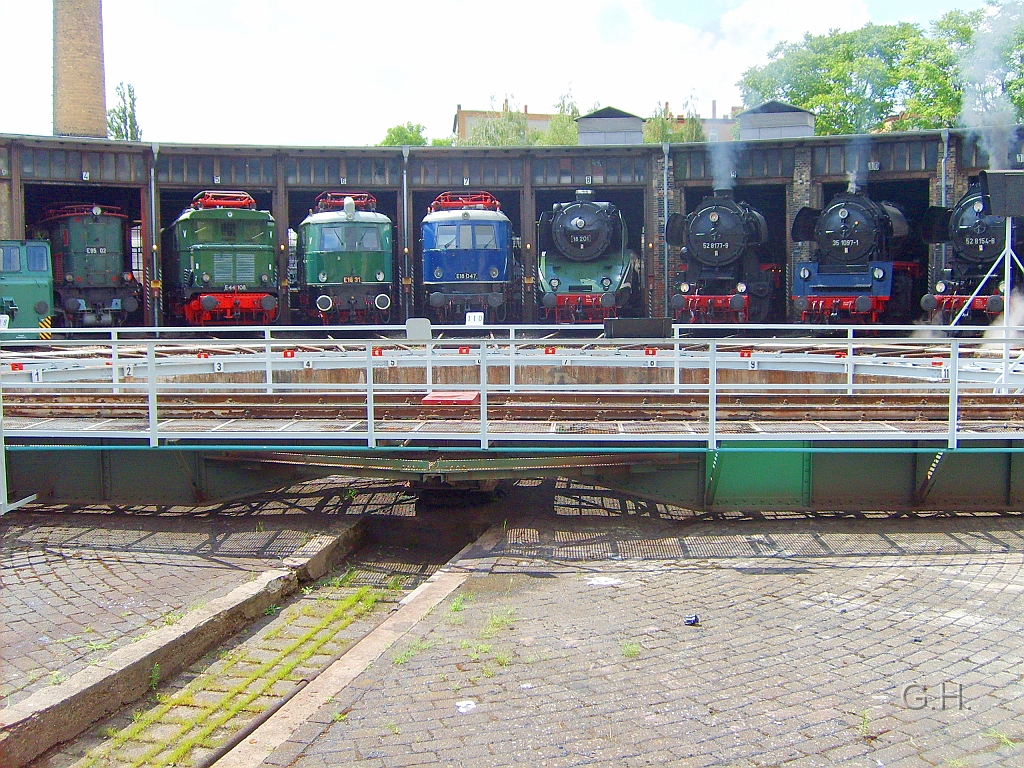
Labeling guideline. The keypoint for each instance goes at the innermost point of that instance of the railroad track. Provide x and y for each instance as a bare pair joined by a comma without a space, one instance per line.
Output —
522,407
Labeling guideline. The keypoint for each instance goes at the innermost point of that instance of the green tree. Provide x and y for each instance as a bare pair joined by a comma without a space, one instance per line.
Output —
408,135
507,128
447,141
122,123
663,126
562,129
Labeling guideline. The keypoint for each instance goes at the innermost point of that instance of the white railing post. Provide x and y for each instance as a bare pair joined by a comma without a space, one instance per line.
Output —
154,437
483,395
849,361
269,361
954,379
114,372
712,394
371,435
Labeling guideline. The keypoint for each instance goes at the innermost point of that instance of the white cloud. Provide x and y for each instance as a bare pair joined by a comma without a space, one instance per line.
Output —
332,73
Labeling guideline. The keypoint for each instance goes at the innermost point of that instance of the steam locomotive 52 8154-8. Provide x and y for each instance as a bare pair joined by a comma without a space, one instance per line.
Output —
971,284
726,275
585,271
857,272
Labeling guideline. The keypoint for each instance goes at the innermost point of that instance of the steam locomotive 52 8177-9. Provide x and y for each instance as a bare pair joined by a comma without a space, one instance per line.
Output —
586,271
726,274
345,261
857,272
468,263
971,284
219,262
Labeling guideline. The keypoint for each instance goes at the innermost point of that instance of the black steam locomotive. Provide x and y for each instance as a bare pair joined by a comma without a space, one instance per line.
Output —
971,285
858,271
726,273
585,270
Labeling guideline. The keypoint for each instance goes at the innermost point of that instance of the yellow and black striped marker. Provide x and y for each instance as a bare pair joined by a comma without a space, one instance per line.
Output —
46,322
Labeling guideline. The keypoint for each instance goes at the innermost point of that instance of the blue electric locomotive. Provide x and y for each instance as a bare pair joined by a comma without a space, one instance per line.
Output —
468,263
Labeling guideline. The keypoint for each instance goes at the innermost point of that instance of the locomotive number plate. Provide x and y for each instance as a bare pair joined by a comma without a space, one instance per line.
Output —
980,240
714,246
95,250
465,275
845,243
352,279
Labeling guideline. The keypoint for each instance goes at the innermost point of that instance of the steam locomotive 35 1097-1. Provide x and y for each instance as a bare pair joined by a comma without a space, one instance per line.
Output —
345,262
586,271
468,263
726,273
972,278
857,272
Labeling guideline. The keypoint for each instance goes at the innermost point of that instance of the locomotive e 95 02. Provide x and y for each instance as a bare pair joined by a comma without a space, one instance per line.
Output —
971,285
219,262
468,262
94,284
345,260
857,272
726,273
586,271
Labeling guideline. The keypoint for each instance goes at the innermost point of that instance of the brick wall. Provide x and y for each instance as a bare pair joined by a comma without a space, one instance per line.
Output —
79,96
655,293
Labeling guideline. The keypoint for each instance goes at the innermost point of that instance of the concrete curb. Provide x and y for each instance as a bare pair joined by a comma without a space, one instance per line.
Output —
53,715
261,743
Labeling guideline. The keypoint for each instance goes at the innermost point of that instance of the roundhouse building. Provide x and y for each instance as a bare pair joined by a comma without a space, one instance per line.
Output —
153,183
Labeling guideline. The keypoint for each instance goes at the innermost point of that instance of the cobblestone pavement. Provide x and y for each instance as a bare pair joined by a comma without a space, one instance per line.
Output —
820,641
77,583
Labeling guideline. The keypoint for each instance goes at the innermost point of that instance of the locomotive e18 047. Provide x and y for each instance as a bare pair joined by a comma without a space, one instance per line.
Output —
94,284
585,270
468,261
970,285
857,273
345,260
726,274
219,262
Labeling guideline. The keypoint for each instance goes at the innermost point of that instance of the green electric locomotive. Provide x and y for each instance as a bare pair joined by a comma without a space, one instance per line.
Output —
26,289
220,266
94,285
345,262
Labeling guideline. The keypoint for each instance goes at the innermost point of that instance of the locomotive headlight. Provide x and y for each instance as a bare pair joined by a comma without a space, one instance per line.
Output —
940,287
494,273
606,283
805,273
379,276
1002,287
322,277
555,282
713,216
843,213
127,277
69,278
96,210
978,206
878,273
264,279
684,288
206,277
438,273
741,287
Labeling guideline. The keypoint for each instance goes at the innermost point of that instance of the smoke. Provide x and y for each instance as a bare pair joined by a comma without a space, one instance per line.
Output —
723,164
858,153
995,330
987,109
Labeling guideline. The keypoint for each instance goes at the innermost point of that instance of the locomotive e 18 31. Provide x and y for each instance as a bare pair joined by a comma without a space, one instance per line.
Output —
91,252
468,260
345,260
219,262
26,288
857,273
586,271
726,273
970,285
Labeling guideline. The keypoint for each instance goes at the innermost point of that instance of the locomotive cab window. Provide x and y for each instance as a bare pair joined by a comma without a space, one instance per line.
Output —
485,236
36,257
12,259
460,236
350,238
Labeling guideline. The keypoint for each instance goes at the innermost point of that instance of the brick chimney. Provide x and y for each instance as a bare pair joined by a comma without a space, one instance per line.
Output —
79,88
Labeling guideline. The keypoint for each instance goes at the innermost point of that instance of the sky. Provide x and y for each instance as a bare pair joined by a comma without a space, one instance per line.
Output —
321,73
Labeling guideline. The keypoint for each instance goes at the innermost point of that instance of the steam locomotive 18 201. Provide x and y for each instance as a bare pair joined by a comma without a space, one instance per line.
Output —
586,271
726,273
978,239
857,271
